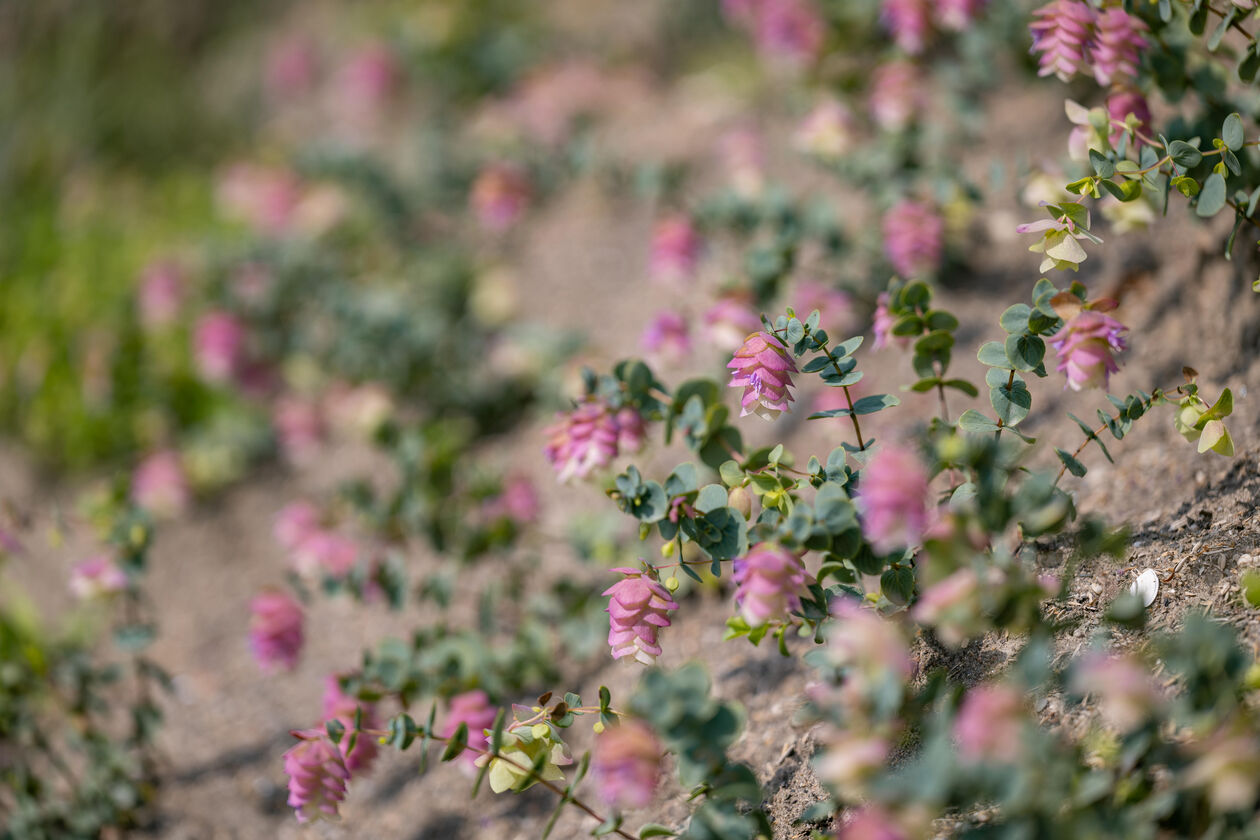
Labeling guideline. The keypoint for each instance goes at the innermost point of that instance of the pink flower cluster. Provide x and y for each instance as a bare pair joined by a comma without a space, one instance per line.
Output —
275,631
892,498
317,775
638,607
989,725
160,486
1070,36
909,20
668,334
1087,345
219,347
342,708
97,577
499,196
898,92
792,30
769,580
675,250
517,502
313,547
472,708
590,436
626,763
913,238
763,367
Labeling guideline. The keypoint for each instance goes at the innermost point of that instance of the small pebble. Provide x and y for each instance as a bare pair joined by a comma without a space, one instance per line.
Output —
1096,588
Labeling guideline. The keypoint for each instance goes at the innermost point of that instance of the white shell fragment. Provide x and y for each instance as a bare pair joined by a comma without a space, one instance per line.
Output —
1146,586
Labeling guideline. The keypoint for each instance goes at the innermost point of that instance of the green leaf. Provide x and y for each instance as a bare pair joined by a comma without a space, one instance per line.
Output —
655,830
1011,404
1232,132
993,354
898,584
1015,318
1212,199
973,421
1184,155
908,325
925,385
336,730
1124,190
938,319
1024,352
1074,466
1103,168
934,341
1186,185
848,348
962,385
872,404
456,744
731,473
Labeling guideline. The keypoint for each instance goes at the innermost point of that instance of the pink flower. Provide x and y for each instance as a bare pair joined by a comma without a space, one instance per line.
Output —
275,631
518,501
907,20
299,428
892,498
472,708
583,440
296,522
97,577
218,346
1087,345
989,724
265,199
870,647
763,367
728,321
791,30
957,14
1061,34
626,763
499,196
326,552
161,293
676,248
850,759
342,707
913,233
898,93
1120,104
291,68
872,823
1125,692
638,607
159,485
317,775
827,132
769,581
669,334
366,81
1117,46
882,324
631,430
952,607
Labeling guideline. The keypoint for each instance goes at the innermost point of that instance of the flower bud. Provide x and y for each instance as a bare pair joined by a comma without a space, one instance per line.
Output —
1087,346
769,581
317,775
275,634
637,608
892,498
740,499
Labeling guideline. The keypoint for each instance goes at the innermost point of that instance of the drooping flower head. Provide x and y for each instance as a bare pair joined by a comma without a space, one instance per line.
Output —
582,440
675,249
219,346
989,724
275,631
1061,33
342,707
97,577
325,552
907,21
827,132
1117,46
474,709
668,334
160,486
631,430
897,94
295,522
763,367
638,607
913,238
769,580
1087,347
499,196
317,775
626,764
892,498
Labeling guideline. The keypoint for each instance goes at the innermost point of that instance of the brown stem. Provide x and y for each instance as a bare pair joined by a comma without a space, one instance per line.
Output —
857,427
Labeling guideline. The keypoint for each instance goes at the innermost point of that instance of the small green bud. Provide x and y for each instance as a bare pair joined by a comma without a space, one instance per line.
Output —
740,499
671,583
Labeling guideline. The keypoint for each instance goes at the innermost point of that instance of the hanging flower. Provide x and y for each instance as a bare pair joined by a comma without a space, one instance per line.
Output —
675,250
582,440
907,20
1123,103
1117,46
317,775
892,498
769,580
631,430
626,763
294,523
989,724
1087,346
668,334
275,632
913,238
1061,32
343,708
897,94
763,367
638,607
